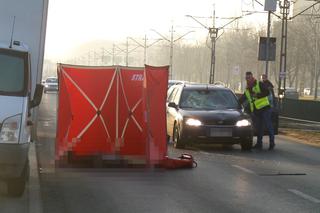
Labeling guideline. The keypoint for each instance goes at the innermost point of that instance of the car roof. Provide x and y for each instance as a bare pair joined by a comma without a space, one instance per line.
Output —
291,89
201,86
173,81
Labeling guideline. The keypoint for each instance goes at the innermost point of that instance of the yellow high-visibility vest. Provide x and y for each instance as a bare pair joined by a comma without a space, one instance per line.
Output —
258,103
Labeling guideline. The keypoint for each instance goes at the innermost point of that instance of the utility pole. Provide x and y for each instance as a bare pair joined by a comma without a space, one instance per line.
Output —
145,46
284,6
213,35
102,56
316,61
145,50
213,32
113,54
89,55
171,53
127,52
171,41
268,43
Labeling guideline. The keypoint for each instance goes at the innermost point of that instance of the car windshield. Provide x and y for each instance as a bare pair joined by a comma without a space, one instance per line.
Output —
12,73
52,80
208,99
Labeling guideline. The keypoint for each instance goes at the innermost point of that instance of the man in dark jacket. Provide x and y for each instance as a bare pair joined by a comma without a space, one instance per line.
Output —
269,85
256,94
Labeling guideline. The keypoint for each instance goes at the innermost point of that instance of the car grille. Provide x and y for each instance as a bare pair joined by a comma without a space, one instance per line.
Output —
219,122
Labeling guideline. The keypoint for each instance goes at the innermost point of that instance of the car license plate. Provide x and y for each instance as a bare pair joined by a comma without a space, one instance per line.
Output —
220,132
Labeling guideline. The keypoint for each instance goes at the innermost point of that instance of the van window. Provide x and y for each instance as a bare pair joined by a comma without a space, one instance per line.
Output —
12,73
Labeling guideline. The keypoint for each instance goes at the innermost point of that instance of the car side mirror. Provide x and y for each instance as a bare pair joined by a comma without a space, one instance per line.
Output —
173,105
37,96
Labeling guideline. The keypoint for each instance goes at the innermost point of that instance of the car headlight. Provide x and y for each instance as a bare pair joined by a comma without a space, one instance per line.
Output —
10,130
193,122
243,123
46,85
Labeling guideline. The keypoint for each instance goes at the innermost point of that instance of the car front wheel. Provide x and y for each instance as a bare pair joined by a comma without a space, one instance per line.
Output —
16,186
177,142
246,145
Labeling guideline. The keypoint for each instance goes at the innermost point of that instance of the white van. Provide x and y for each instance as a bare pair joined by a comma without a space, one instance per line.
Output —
20,70
15,117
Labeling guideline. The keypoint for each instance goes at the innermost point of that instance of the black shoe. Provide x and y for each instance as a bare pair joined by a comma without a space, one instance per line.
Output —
257,146
271,147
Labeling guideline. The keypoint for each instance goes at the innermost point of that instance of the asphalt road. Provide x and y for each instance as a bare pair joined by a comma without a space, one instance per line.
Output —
226,180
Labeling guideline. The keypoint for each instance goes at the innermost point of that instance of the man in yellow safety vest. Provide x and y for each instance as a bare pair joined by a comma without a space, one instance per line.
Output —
256,94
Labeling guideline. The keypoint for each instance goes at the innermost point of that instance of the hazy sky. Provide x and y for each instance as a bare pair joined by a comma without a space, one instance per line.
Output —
74,22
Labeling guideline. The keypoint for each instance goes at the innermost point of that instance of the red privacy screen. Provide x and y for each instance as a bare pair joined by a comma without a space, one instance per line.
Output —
116,111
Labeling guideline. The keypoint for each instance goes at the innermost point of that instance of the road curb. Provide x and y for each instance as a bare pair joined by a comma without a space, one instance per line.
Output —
35,201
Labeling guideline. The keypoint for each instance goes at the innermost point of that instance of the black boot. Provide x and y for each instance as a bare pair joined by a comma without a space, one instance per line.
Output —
257,146
271,146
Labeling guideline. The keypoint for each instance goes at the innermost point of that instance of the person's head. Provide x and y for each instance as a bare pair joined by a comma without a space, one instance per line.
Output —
250,79
249,76
264,77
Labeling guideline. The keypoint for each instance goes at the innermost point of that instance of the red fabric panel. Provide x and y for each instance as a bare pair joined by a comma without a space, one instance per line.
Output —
131,123
84,90
64,118
155,86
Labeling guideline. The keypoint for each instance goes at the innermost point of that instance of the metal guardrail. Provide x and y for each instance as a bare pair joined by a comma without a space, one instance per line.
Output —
293,123
300,110
299,120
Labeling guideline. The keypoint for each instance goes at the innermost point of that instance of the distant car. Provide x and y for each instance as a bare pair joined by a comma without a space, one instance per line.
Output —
201,113
175,82
51,84
306,91
291,93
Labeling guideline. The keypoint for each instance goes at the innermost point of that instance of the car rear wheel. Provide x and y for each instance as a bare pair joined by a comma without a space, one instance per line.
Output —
177,143
246,145
168,139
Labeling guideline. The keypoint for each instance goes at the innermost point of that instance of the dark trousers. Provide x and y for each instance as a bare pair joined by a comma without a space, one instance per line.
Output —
261,119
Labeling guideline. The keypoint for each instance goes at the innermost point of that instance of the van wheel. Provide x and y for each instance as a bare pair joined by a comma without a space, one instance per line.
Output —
177,143
16,186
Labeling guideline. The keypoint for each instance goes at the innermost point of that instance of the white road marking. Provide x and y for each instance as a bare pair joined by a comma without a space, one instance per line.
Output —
244,169
205,153
303,195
